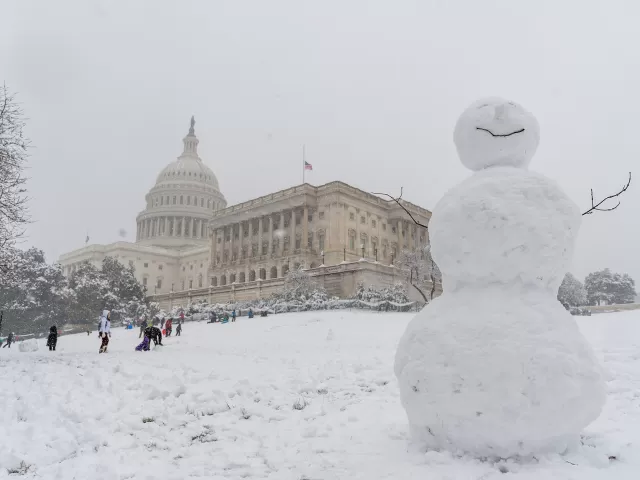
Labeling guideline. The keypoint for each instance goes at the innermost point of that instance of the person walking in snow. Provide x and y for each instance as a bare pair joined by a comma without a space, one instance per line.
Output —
250,313
52,339
105,330
168,327
212,317
233,315
9,340
179,328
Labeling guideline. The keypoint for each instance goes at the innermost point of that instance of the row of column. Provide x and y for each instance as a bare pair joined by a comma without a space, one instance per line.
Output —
171,227
270,231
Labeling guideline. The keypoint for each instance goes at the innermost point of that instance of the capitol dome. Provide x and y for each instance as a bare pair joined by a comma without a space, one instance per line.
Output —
181,203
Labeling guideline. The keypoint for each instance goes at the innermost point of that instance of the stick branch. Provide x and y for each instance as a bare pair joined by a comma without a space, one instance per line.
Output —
397,200
595,207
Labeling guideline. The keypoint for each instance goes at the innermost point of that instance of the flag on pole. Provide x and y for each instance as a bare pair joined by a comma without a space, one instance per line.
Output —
308,166
86,240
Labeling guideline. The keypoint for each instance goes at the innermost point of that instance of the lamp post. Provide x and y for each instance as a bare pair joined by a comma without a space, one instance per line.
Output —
344,256
362,247
322,253
376,252
392,259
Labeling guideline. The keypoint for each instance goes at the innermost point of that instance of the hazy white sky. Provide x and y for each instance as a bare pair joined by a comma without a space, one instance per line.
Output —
373,88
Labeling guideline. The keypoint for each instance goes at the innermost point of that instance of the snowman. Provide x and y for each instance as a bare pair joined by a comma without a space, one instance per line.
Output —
496,367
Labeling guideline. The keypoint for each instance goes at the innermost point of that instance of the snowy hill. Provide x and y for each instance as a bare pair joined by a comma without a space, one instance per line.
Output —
309,395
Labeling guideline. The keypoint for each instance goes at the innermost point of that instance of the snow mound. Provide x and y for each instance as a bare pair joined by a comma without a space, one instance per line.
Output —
30,345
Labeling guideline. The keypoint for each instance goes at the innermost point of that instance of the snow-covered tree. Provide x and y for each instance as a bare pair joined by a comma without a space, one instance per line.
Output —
33,294
13,157
572,292
419,268
607,288
91,289
299,286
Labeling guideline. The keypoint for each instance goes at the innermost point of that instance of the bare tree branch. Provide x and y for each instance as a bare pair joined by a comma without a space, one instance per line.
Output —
595,207
397,200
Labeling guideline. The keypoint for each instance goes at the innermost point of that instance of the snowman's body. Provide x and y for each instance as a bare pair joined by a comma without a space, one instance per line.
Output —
496,366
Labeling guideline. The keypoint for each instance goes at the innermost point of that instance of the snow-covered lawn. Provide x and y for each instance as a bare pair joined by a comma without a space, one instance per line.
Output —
295,396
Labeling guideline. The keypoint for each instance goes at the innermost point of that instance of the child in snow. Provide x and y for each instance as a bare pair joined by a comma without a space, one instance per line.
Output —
52,339
105,330
179,328
144,345
233,315
250,314
168,326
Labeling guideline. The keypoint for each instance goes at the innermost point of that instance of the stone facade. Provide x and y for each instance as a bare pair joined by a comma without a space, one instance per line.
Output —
190,245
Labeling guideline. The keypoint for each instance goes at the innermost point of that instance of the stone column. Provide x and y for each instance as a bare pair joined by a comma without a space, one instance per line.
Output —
250,246
173,226
214,245
224,237
281,245
304,245
231,242
270,234
292,243
260,228
148,228
183,225
240,239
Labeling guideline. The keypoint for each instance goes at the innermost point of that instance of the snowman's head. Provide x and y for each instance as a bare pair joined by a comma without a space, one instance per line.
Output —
496,132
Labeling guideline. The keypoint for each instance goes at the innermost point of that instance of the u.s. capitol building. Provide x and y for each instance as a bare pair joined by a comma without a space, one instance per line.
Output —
190,245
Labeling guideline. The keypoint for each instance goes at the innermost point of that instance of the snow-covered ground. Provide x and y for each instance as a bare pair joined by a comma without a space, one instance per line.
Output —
295,396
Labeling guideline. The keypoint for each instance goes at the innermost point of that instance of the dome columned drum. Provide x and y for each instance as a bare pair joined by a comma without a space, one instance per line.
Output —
181,203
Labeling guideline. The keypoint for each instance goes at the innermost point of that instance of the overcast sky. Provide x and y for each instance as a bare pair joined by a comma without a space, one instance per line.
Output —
373,88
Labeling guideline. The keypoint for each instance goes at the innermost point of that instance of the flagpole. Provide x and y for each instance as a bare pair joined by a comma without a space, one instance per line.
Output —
303,163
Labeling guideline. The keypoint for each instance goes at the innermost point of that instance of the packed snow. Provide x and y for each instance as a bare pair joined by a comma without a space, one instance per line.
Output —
300,395
496,367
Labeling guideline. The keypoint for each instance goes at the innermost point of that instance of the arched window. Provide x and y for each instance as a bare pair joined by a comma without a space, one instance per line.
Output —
161,200
181,200
223,280
274,272
263,274
200,281
174,199
232,278
252,275
201,201
214,281
188,199
241,277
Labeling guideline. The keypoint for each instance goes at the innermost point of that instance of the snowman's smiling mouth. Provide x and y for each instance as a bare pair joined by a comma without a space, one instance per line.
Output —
498,135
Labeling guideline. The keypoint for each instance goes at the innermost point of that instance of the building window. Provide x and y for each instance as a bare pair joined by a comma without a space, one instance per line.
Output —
384,227
200,281
363,220
310,240
286,222
201,265
298,217
202,202
298,241
190,284
352,216
144,281
394,229
321,215
265,248
321,242
160,267
183,268
167,200
159,283
374,223
188,199
190,267
310,217
352,242
209,203
161,200
146,265
181,200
